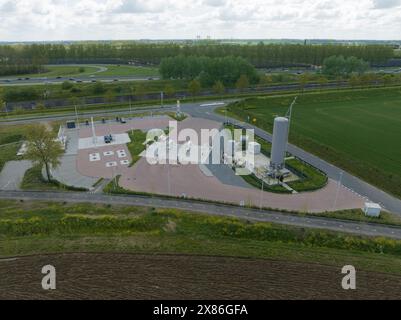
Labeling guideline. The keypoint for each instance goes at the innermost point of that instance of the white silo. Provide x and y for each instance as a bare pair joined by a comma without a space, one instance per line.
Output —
279,146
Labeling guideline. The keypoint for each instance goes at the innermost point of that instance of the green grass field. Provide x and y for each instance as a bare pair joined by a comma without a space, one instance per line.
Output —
10,143
47,227
360,131
60,71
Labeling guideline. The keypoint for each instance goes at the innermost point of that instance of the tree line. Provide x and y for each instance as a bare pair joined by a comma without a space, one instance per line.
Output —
7,69
208,70
261,55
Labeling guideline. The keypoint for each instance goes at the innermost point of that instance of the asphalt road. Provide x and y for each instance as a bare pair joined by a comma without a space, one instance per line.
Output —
81,79
365,229
87,78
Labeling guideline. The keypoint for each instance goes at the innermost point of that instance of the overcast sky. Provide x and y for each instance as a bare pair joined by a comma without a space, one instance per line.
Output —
24,20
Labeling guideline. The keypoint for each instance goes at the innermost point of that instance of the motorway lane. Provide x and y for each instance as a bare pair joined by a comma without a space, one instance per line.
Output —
51,81
357,228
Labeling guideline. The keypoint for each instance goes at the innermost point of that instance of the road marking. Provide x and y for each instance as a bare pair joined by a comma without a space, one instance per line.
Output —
5,186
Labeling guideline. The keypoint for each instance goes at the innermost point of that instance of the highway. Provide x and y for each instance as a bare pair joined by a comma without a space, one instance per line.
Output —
82,79
356,228
77,78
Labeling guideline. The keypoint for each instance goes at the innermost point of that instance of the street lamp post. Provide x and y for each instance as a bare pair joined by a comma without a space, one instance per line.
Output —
262,192
6,108
130,107
76,114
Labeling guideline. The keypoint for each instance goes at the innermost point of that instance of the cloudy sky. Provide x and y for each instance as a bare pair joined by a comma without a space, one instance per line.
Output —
22,20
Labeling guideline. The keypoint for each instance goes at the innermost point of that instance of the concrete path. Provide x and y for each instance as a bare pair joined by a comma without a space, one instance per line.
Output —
227,176
68,174
12,174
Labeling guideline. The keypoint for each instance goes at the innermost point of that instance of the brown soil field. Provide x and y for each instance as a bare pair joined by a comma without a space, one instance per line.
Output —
134,277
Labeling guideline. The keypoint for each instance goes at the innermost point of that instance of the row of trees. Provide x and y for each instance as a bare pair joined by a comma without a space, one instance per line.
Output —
208,70
261,55
7,69
341,66
355,80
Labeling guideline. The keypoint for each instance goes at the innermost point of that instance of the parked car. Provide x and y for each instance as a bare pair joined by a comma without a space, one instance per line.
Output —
108,139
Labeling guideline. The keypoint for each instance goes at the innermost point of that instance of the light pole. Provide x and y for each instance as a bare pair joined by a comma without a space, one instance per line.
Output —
168,179
262,192
162,99
114,178
338,189
6,108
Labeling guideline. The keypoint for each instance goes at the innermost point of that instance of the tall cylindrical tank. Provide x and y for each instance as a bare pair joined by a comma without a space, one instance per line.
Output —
280,141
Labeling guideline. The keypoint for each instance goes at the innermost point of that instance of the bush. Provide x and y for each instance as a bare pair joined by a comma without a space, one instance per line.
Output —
99,88
20,94
67,85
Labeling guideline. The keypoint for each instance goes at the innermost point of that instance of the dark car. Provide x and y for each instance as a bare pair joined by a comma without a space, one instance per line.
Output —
108,139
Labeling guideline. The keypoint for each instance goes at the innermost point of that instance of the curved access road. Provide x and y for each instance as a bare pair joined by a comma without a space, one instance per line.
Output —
356,228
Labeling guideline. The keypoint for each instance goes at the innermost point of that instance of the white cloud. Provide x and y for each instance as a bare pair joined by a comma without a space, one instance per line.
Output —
386,4
214,3
138,19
